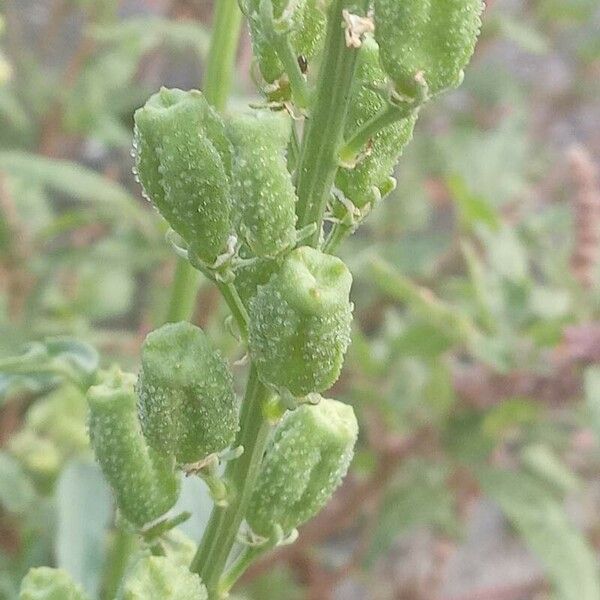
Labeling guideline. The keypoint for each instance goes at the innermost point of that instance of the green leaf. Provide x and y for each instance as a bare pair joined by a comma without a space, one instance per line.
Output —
420,498
540,519
466,438
84,506
512,414
450,320
521,33
474,209
44,364
506,254
421,339
79,182
543,463
151,31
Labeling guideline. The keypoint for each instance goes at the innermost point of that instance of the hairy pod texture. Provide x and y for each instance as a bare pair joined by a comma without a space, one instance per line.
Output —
305,462
44,583
187,405
144,482
304,21
183,161
300,323
363,183
158,578
434,38
264,208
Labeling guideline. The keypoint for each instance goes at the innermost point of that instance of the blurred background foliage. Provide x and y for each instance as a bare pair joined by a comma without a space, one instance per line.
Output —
475,365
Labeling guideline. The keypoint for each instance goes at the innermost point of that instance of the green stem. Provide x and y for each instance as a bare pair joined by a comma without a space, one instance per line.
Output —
211,558
282,46
122,546
236,306
388,115
183,292
325,128
218,76
292,68
247,556
336,236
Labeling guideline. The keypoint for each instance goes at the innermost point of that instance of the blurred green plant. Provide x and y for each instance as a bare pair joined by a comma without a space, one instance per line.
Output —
470,331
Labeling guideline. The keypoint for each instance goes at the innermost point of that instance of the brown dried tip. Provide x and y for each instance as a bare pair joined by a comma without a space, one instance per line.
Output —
586,208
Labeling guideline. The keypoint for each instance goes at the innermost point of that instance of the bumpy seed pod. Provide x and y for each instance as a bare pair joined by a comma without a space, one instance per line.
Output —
433,37
158,578
187,405
183,160
362,183
144,482
300,323
44,583
306,461
307,22
264,198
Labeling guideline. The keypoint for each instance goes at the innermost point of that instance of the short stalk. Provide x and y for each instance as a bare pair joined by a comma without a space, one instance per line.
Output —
339,232
240,476
236,306
388,115
281,43
183,292
218,76
289,60
325,127
246,557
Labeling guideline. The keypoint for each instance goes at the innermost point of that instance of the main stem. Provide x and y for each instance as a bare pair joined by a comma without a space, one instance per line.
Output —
211,558
218,76
325,127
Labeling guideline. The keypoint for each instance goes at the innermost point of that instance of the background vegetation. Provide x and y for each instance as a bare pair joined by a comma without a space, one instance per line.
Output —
477,336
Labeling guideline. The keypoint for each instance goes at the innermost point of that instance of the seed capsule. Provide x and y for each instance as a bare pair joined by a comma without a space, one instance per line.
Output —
187,405
183,160
306,461
44,583
362,184
144,482
307,22
300,323
158,578
432,37
264,198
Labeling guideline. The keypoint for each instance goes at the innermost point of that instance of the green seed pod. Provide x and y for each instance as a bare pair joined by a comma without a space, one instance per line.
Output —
264,196
307,21
183,161
362,183
44,583
305,462
144,482
300,323
187,405
433,37
158,578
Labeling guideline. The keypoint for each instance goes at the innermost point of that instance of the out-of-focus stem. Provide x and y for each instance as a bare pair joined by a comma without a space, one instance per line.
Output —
218,76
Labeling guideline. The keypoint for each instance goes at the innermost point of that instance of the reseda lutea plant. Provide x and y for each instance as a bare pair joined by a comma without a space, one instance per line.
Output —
246,196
